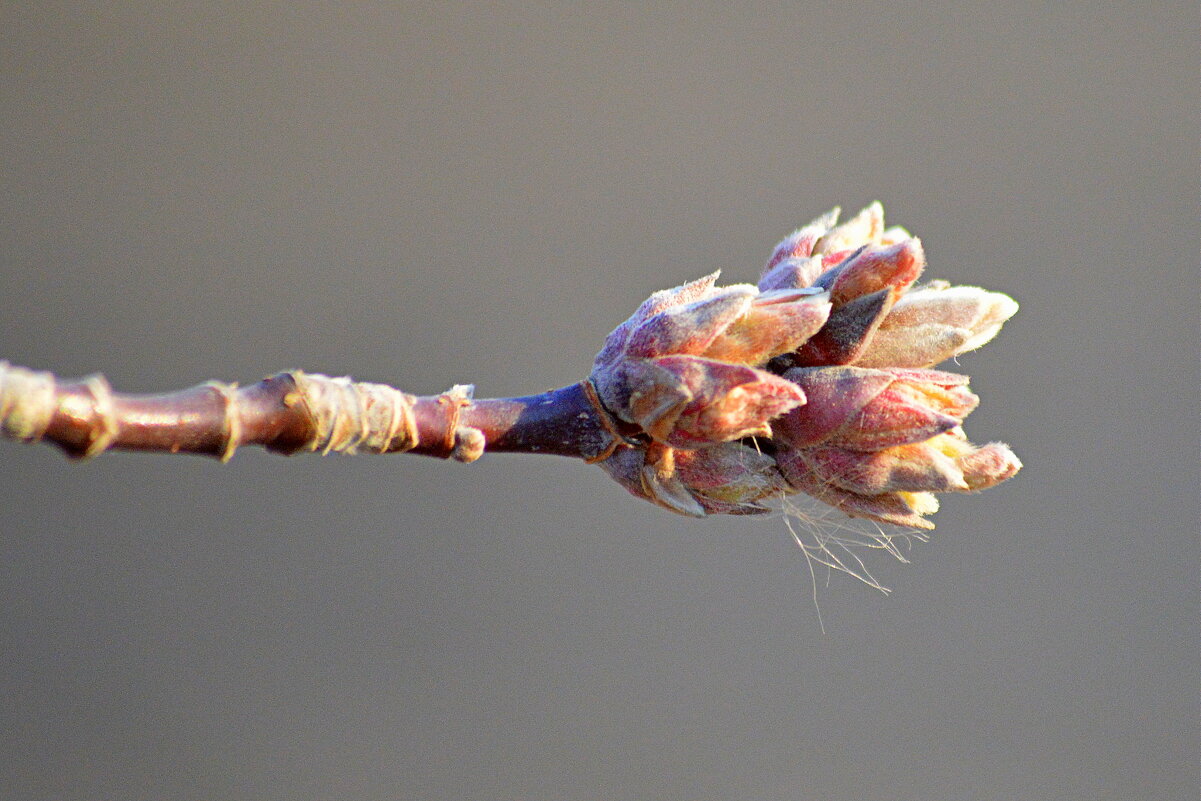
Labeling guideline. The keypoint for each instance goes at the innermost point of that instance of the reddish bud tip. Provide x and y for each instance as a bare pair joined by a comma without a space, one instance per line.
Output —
865,228
799,244
725,402
878,267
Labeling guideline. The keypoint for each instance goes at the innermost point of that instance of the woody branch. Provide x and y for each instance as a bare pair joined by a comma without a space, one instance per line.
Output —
294,412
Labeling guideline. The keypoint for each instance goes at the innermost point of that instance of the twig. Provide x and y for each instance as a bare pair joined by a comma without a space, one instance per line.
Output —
294,412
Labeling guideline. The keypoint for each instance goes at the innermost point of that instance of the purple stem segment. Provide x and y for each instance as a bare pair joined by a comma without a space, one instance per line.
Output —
86,421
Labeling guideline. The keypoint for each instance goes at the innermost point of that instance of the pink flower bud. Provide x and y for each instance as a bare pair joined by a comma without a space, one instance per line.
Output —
662,300
701,369
689,402
691,328
868,410
878,267
799,244
897,508
725,479
865,228
916,467
935,323
894,485
730,478
777,322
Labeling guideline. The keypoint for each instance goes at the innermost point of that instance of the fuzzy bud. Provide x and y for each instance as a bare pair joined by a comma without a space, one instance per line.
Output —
799,244
897,508
687,366
730,478
865,228
936,323
823,364
877,443
688,401
848,332
877,267
866,410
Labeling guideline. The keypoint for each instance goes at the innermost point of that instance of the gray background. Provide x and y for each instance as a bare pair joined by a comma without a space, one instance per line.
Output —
430,194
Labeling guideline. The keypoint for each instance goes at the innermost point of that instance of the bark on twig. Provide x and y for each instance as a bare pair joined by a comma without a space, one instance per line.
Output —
293,412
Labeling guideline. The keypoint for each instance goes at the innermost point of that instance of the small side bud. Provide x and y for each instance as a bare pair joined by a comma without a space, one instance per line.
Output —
692,328
865,228
879,267
795,273
799,244
27,402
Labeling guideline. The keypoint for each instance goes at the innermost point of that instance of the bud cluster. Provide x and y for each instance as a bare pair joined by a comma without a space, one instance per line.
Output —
816,380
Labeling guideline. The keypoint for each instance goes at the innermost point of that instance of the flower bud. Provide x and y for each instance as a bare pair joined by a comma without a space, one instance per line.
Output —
700,369
799,244
865,228
777,322
689,402
897,508
915,467
878,267
848,332
894,485
936,323
615,343
868,410
685,366
725,479
691,328
730,478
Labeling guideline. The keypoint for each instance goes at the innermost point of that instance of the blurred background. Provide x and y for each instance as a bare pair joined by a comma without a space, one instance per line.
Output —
433,193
